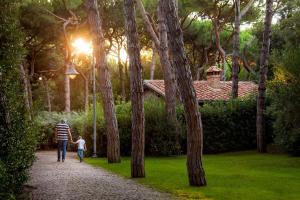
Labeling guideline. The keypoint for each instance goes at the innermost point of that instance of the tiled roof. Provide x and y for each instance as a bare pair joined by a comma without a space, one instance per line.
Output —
213,69
205,92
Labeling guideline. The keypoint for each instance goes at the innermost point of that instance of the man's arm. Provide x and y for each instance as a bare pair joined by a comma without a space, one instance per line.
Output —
70,135
55,134
85,147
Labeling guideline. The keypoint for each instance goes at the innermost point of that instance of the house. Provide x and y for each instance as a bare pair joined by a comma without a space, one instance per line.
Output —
211,89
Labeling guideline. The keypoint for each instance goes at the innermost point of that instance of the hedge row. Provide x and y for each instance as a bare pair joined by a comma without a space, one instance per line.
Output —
17,136
227,126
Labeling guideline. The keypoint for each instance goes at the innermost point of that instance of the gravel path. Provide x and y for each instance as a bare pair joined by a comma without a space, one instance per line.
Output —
53,180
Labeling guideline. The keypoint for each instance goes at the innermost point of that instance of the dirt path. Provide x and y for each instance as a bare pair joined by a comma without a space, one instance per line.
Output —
73,180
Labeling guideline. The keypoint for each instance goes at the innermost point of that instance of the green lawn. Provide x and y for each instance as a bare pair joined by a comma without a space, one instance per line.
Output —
242,175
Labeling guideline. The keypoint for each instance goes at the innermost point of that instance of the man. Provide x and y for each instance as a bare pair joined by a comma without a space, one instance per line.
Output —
62,135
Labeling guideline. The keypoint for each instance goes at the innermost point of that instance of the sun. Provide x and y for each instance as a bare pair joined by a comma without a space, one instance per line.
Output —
123,55
82,46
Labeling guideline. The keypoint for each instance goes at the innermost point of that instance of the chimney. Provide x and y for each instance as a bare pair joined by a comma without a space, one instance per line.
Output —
213,76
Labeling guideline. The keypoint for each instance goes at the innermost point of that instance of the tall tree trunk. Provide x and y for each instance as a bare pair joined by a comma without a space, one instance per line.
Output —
219,47
236,43
264,56
121,74
67,94
169,74
48,95
24,78
137,98
95,24
161,44
86,90
185,83
153,63
86,94
236,49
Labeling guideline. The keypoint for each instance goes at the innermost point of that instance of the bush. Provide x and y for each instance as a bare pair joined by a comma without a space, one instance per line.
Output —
285,104
18,137
231,126
159,138
227,126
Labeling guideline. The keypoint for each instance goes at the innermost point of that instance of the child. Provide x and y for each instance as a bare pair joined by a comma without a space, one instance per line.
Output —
81,147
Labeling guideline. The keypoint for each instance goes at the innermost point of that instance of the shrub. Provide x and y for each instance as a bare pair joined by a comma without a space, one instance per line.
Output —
18,137
285,104
231,126
227,126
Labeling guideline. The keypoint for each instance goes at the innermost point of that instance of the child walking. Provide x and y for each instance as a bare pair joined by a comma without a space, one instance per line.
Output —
81,147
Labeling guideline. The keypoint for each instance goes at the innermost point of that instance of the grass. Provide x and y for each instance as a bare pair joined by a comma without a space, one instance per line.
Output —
230,176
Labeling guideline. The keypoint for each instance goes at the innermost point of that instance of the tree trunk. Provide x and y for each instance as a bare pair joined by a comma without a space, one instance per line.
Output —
169,74
86,90
48,96
67,94
219,47
137,98
236,49
264,56
24,78
236,43
161,44
86,94
121,74
153,63
95,24
188,95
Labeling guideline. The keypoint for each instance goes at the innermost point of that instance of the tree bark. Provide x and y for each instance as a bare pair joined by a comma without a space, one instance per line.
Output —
153,63
121,74
95,25
185,83
236,43
137,98
264,56
67,94
24,78
236,49
86,90
86,94
169,74
219,47
48,96
161,44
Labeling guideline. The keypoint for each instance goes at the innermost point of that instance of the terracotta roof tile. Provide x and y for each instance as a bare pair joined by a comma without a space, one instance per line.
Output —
213,69
206,93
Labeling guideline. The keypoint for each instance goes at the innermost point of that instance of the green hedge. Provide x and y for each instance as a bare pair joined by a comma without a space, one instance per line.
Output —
18,137
285,102
231,126
228,126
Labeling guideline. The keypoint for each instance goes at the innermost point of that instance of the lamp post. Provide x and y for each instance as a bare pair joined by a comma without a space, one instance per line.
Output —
71,71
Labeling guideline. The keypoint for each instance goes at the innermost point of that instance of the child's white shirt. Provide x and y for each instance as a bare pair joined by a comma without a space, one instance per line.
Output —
80,143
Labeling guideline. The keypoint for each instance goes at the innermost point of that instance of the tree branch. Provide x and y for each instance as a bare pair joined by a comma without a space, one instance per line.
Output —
56,16
246,8
148,23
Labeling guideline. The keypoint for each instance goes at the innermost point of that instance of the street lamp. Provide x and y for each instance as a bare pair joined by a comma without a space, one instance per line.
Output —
83,47
71,71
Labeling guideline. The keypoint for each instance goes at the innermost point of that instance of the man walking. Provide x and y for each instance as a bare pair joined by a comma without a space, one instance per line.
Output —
62,134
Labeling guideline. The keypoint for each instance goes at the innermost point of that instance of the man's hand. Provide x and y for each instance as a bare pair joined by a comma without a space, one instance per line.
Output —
70,135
